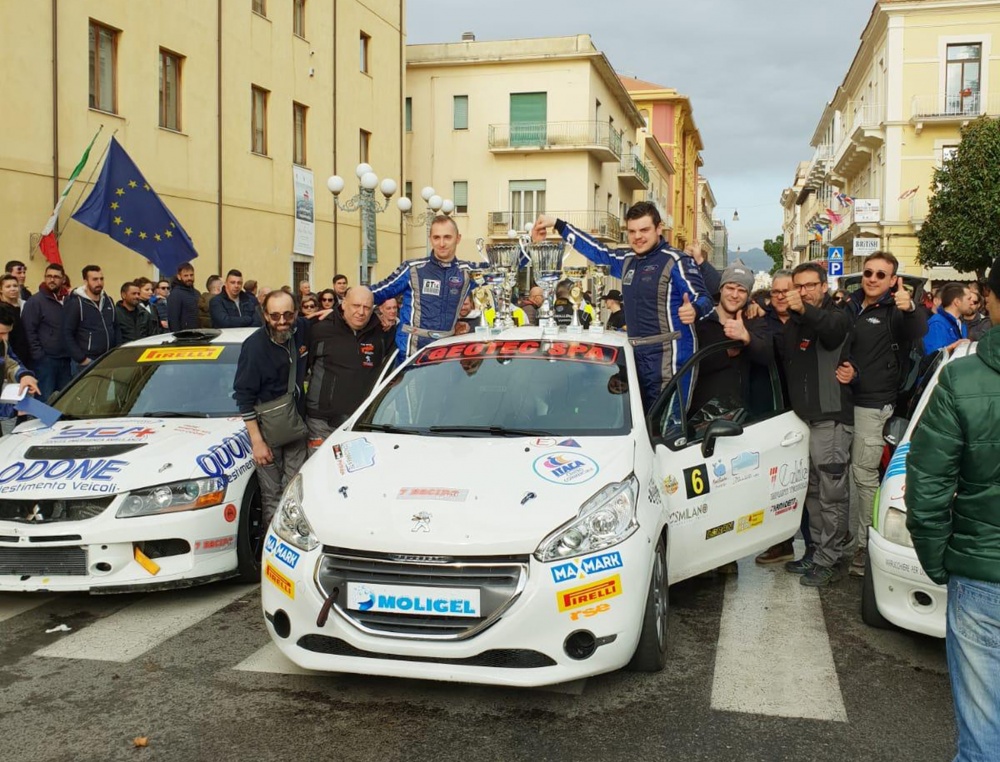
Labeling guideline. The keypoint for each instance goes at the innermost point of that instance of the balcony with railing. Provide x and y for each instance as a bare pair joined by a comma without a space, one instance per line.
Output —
602,225
632,173
951,108
863,130
599,139
819,166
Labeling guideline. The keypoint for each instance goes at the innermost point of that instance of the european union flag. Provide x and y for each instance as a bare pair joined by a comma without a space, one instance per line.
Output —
125,207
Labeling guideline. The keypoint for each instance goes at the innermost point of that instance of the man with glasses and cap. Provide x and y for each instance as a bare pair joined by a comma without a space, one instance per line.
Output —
886,324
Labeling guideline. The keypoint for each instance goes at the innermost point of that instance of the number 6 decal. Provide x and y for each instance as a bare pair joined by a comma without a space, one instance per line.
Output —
696,481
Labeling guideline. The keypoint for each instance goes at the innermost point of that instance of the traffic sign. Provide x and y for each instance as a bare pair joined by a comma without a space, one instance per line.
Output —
835,253
835,267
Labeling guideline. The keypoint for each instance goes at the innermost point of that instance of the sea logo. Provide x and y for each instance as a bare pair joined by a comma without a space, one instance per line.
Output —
565,468
366,599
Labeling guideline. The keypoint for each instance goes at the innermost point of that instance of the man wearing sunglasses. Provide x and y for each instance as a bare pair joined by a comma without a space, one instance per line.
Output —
886,325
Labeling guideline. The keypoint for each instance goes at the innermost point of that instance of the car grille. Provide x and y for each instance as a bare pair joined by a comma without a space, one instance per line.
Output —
47,511
504,658
499,581
67,561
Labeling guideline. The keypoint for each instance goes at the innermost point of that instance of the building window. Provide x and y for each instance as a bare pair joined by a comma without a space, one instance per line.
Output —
170,90
962,79
461,120
408,115
527,201
258,120
948,153
299,133
260,6
299,18
365,146
366,43
103,68
300,272
460,195
528,113
408,189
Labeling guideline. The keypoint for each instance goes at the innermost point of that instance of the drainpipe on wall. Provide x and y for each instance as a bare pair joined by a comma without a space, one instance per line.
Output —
55,105
218,134
336,264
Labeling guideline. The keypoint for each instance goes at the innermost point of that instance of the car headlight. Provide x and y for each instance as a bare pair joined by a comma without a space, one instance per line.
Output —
894,528
190,495
604,520
290,522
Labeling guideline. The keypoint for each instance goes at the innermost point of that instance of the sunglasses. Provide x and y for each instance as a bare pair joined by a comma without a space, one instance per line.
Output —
308,305
327,299
277,317
879,274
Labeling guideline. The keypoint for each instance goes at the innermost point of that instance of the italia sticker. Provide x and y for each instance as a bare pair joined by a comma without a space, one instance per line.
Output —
565,468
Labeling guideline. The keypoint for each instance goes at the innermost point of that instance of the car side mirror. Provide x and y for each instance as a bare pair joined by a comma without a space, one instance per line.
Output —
716,429
894,429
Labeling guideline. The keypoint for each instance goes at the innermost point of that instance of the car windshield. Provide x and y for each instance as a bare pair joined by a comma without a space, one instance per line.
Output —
507,388
168,380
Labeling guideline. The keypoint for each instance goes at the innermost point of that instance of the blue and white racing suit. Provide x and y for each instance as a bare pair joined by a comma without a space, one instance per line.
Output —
433,292
653,288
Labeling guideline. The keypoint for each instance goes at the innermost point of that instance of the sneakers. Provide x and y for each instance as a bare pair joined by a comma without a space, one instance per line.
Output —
821,576
776,554
803,566
858,563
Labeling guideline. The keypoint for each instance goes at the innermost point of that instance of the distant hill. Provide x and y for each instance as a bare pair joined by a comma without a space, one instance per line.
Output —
756,259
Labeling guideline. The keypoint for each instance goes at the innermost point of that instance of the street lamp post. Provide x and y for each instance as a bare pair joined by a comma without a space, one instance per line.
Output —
435,206
367,204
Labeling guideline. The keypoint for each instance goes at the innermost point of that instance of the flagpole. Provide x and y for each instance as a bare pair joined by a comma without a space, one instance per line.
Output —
90,177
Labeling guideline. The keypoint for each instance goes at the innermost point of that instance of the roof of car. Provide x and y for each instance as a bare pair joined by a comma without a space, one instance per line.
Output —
197,336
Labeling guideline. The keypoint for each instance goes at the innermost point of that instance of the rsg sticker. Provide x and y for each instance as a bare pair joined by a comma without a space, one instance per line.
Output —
565,468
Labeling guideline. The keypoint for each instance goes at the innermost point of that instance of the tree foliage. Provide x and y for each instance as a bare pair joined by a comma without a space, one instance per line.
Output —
962,228
775,250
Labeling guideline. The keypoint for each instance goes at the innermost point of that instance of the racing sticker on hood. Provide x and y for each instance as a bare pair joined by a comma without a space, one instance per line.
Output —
542,350
103,433
433,493
81,475
230,458
354,455
565,468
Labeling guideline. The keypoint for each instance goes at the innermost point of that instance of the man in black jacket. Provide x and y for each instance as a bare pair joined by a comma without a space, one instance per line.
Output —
90,325
133,321
43,318
816,342
346,353
234,307
886,324
182,307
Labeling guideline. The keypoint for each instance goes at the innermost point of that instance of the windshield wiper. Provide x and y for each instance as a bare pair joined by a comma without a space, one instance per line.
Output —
386,427
493,431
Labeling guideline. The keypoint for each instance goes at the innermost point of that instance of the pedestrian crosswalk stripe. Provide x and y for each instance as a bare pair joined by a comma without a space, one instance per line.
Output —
270,659
774,655
140,627
14,604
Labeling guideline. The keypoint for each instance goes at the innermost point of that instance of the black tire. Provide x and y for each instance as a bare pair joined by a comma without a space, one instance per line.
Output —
651,651
250,533
870,614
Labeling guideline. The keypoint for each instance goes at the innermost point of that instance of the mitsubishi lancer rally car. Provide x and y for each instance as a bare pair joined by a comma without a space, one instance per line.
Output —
896,590
501,511
146,481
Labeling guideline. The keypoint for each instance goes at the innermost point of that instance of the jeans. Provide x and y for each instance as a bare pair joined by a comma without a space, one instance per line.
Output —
53,374
973,645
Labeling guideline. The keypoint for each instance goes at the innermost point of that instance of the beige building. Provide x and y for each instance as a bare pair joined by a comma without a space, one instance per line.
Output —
796,239
511,129
706,213
216,103
922,70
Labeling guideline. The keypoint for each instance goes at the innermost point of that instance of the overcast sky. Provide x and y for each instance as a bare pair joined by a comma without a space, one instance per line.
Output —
758,72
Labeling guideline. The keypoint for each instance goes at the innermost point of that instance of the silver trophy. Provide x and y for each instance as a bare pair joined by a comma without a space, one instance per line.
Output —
599,275
546,264
503,258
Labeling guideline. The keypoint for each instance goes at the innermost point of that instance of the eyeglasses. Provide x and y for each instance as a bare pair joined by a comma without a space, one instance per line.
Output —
277,317
779,292
807,286
878,274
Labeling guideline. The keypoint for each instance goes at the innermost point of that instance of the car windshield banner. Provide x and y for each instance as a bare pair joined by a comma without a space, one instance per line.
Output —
530,349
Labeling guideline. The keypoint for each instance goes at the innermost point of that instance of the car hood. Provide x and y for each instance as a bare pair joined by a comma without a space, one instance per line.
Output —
88,458
454,495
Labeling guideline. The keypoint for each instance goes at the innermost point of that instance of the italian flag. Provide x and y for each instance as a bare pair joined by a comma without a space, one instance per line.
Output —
48,243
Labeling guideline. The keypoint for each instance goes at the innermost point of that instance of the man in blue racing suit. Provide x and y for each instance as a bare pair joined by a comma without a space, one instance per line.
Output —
433,289
663,291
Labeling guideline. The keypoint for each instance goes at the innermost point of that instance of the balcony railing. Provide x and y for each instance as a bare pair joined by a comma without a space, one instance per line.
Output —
633,167
601,224
961,105
557,135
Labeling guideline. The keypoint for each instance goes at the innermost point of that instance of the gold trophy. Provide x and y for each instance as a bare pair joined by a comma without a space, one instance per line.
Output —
575,274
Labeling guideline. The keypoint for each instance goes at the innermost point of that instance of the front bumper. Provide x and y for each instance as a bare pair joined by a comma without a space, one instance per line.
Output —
905,595
523,646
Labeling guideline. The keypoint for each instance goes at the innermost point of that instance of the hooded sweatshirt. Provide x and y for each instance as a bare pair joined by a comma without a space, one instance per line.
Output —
89,328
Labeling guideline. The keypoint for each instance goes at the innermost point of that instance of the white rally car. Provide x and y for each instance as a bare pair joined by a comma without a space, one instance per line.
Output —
147,481
896,590
500,511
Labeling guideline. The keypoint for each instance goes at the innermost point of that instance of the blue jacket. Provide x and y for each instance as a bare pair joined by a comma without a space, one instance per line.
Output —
182,307
243,313
43,318
943,329
89,328
262,370
433,293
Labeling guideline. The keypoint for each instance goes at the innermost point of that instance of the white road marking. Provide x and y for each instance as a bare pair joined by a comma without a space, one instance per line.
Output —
13,604
270,659
774,654
138,628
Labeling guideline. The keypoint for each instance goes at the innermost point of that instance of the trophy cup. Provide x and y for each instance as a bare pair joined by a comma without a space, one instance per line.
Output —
546,263
576,275
503,258
599,275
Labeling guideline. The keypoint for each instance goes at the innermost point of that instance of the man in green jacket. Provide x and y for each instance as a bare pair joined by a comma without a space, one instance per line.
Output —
953,514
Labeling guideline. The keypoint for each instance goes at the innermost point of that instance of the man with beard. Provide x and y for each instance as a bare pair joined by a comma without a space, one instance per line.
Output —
347,350
43,319
90,324
182,307
266,358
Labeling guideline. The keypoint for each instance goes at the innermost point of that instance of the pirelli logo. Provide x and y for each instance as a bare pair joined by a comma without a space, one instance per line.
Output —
170,354
279,580
592,592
